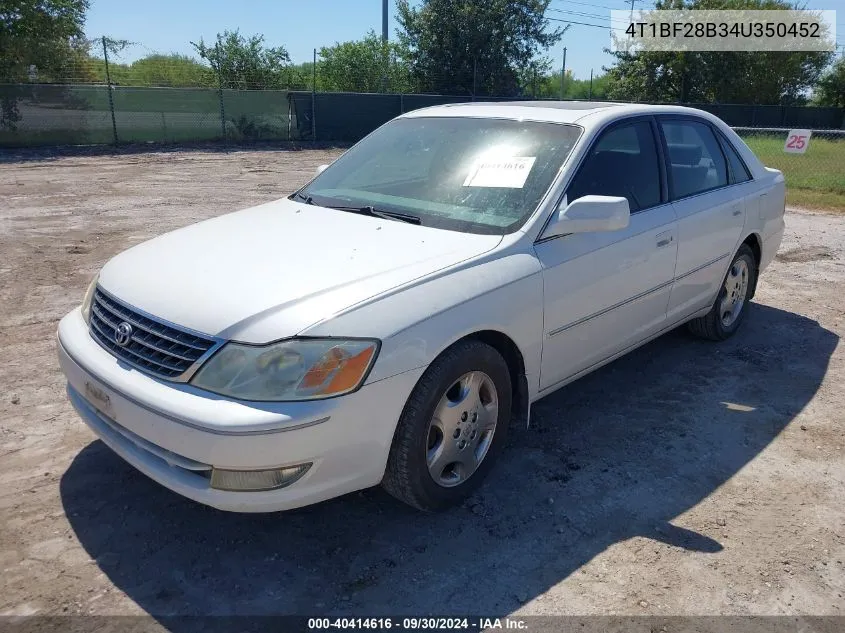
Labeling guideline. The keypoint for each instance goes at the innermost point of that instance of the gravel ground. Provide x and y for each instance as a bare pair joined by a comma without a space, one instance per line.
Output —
686,478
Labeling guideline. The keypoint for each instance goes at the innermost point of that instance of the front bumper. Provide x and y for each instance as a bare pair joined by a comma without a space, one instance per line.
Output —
171,431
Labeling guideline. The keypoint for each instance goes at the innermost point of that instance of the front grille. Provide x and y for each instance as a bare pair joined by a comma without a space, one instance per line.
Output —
155,347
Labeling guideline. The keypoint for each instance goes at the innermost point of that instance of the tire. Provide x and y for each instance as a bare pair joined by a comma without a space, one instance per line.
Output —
420,444
713,325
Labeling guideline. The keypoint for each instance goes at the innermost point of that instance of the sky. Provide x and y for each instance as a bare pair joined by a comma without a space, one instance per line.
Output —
168,26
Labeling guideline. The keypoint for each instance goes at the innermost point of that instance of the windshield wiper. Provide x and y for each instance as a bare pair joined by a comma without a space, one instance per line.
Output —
378,213
365,210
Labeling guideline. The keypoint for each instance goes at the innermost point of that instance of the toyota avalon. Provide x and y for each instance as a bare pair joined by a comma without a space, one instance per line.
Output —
388,321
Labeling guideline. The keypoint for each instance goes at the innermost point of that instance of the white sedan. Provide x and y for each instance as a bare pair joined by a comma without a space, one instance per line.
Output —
388,321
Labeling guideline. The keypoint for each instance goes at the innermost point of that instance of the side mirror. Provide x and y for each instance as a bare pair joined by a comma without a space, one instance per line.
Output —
590,214
321,169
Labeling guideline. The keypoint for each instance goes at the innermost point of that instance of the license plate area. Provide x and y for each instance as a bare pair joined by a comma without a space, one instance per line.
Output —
99,399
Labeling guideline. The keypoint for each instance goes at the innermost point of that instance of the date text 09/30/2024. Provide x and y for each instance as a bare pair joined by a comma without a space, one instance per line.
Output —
418,623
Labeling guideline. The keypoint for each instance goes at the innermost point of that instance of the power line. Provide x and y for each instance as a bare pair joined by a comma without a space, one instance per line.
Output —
600,6
597,26
588,4
591,15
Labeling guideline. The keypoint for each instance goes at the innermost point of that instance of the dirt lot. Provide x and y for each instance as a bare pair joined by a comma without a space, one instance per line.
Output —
686,478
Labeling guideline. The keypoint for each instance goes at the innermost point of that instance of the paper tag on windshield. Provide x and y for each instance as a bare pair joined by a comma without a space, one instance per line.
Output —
501,172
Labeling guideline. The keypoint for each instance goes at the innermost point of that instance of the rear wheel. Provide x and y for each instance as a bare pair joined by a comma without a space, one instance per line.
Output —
452,428
731,303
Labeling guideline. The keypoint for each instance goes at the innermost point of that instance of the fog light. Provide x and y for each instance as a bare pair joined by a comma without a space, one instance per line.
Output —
256,480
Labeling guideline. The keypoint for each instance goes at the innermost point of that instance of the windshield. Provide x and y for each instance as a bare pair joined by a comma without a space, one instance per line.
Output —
465,174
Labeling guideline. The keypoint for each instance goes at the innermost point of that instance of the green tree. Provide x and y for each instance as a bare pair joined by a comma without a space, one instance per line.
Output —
40,41
367,65
549,87
726,77
173,70
245,63
170,70
44,34
300,76
830,90
473,46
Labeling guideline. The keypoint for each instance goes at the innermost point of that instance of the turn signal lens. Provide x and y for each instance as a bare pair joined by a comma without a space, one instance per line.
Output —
337,371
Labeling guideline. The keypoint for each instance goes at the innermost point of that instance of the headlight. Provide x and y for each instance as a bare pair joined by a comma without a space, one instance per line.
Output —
296,369
88,298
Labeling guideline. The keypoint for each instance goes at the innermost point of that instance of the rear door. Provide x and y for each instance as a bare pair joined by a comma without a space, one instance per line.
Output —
709,199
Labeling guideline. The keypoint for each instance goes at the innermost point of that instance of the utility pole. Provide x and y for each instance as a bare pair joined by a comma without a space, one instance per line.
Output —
383,20
562,73
591,83
385,52
314,98
632,9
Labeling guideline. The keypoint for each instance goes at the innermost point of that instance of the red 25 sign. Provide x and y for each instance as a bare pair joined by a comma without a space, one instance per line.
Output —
797,141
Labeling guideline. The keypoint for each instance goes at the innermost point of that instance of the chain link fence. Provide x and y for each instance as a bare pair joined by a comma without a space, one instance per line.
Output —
51,114
177,99
97,98
814,167
41,115
48,115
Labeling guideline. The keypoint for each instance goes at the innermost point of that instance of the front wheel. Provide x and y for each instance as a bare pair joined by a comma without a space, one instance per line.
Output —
731,303
452,428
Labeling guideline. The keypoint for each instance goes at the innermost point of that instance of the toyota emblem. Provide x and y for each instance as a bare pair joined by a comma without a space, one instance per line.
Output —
123,334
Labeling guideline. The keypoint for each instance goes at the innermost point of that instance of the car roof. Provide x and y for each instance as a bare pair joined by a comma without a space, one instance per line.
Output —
586,113
590,115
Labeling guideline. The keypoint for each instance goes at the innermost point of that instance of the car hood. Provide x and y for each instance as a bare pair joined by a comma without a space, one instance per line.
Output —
271,271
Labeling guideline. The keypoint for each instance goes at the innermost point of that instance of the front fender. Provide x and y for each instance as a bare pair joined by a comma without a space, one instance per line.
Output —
503,294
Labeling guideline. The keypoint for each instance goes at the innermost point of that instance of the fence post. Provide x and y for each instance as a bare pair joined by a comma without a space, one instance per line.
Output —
314,98
289,114
220,92
109,88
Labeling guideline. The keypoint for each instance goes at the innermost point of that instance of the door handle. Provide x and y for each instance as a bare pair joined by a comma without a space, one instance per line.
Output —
664,239
736,211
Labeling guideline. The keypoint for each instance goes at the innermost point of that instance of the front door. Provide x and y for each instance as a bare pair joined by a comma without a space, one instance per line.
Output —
604,292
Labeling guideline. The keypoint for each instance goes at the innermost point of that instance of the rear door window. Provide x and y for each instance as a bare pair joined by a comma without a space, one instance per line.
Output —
696,161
